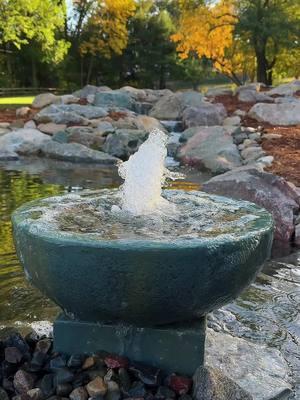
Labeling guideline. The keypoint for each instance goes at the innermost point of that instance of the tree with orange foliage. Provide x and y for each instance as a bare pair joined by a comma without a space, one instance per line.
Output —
208,31
106,28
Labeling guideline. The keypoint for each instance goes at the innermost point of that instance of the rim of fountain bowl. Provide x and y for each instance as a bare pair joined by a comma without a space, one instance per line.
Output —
263,225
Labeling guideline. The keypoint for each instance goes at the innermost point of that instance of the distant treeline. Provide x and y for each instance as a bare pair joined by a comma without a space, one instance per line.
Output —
147,43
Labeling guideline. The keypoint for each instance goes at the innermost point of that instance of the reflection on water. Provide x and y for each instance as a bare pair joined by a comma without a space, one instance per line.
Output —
268,312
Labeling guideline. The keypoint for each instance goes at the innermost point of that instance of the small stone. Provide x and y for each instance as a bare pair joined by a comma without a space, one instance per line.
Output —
8,369
3,394
13,355
185,397
63,375
97,387
164,392
38,360
22,112
64,389
150,376
113,391
254,136
7,384
180,384
79,394
30,124
89,362
271,136
16,340
124,379
75,361
137,390
4,125
35,394
80,379
115,361
297,234
97,372
43,345
46,385
57,362
23,381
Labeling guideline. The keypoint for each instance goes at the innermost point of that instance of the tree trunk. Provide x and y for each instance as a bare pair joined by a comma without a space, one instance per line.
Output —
162,77
90,70
34,73
262,67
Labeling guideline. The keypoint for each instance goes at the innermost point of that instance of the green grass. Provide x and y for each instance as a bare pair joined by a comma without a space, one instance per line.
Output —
15,101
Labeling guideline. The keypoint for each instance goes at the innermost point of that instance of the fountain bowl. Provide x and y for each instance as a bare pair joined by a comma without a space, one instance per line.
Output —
142,281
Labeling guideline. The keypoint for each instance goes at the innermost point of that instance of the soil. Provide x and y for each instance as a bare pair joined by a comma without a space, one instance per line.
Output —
285,150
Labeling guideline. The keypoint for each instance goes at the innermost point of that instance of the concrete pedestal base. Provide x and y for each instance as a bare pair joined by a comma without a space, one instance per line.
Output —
173,348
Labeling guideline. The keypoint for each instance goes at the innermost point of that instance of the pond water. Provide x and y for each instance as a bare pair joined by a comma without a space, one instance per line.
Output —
268,312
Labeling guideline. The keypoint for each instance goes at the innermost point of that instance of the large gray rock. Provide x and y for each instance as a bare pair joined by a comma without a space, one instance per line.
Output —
211,148
90,90
8,155
23,141
205,115
260,370
44,99
267,190
75,152
124,142
81,134
214,92
277,114
69,113
171,106
252,96
168,107
286,89
211,384
114,99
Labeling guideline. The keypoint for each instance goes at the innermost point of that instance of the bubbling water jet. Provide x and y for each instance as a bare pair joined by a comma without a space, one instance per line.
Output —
144,174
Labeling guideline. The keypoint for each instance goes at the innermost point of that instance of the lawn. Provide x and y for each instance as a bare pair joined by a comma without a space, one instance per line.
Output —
16,101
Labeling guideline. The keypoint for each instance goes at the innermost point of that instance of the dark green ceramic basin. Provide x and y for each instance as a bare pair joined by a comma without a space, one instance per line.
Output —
140,280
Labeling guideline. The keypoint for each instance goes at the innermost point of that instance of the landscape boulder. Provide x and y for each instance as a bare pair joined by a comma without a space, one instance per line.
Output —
252,96
90,90
205,115
214,92
23,141
171,106
75,152
211,148
81,134
211,384
51,128
114,99
258,369
69,113
266,190
8,155
44,99
276,114
124,142
286,89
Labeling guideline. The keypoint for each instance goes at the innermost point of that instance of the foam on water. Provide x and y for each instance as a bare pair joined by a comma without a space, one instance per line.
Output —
189,215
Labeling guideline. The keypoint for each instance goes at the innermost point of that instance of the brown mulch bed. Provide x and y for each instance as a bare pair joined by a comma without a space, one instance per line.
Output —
7,115
285,150
231,103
